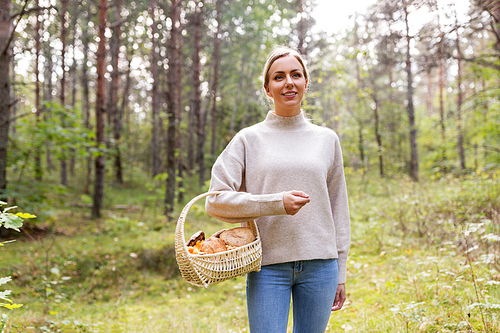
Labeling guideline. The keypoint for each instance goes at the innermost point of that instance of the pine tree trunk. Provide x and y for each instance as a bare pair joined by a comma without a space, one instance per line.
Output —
236,99
460,138
215,82
378,137
5,55
197,110
180,145
115,80
410,108
62,96
86,105
194,113
38,152
154,96
172,99
100,111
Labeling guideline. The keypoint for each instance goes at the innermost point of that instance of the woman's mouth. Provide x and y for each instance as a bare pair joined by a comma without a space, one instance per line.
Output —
290,94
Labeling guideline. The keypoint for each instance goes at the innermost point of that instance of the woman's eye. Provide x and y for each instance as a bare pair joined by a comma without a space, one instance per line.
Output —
297,75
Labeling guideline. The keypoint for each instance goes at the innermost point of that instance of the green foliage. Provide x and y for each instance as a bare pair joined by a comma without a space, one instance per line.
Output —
419,253
9,221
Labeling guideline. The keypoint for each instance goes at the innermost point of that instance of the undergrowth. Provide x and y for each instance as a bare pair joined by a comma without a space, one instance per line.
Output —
425,257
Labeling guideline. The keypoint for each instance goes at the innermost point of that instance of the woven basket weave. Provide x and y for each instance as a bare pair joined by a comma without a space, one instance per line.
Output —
207,269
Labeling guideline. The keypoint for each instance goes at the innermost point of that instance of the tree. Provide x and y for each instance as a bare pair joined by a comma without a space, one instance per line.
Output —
62,92
154,96
410,108
5,102
100,111
174,86
113,111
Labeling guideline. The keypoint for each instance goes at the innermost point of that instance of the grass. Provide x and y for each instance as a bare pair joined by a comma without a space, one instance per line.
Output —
424,258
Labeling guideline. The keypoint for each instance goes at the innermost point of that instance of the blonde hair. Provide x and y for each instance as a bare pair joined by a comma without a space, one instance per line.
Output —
280,52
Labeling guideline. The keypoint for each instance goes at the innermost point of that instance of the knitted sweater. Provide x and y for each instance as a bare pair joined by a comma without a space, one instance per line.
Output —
277,155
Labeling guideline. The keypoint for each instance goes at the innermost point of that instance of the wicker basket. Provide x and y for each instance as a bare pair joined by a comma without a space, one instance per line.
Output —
207,269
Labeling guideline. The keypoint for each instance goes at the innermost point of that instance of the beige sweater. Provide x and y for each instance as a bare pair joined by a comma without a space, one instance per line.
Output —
277,155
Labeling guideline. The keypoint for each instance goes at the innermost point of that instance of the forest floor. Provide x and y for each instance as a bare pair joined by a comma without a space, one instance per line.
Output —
425,257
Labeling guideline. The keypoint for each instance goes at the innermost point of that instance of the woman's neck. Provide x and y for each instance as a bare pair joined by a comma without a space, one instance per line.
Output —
282,112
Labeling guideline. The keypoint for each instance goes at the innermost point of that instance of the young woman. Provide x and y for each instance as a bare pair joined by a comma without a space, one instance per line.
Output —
287,174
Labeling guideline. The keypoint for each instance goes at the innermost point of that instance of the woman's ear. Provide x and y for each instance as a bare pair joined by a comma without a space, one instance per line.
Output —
268,92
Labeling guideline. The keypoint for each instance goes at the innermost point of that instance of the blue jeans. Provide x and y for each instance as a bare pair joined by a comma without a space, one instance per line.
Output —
312,284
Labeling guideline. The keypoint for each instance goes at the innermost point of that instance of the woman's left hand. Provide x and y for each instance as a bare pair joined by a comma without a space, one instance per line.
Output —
340,297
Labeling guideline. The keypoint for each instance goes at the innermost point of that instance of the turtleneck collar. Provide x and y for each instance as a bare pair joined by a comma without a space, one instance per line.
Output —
286,123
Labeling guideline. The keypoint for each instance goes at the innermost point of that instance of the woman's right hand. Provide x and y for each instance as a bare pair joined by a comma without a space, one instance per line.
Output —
294,201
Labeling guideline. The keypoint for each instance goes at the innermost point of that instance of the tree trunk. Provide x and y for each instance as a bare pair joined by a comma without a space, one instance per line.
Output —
195,112
86,104
180,148
410,107
172,97
62,96
154,96
215,82
441,80
113,96
38,153
236,99
460,143
49,98
5,55
302,36
378,137
100,111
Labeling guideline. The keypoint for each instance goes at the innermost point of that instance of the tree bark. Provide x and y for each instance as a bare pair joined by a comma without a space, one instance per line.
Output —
86,102
38,153
62,96
5,55
410,108
194,113
378,137
302,34
113,96
460,138
215,82
172,98
100,111
180,144
154,96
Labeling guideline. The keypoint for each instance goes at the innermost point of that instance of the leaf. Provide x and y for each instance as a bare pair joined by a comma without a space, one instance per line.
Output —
11,221
4,280
4,294
11,306
26,215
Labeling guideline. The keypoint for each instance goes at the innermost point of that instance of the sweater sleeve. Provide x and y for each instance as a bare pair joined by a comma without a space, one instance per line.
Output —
234,204
340,210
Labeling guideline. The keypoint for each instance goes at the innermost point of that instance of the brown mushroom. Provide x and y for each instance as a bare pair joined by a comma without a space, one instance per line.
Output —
217,234
199,236
213,245
237,237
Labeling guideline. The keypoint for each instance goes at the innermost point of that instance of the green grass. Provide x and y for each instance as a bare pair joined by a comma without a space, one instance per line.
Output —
424,258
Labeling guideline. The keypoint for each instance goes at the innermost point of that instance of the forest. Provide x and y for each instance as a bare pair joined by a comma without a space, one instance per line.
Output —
112,113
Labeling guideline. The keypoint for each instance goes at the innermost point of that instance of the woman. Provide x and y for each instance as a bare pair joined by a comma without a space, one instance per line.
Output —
287,174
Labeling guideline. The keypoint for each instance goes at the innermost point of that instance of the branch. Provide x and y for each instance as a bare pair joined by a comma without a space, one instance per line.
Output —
16,117
481,62
31,10
117,23
4,52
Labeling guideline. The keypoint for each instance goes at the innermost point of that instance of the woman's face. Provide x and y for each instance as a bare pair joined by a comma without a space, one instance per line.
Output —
287,86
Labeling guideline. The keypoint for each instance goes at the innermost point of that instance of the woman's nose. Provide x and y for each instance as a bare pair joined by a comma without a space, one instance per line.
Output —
289,80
